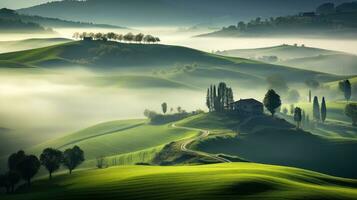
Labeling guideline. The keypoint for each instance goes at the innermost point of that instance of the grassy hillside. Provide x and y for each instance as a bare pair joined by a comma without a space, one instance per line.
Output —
302,57
20,45
117,138
221,181
99,55
278,141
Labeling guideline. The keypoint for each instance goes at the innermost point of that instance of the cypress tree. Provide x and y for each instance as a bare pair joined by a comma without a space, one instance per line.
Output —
208,100
316,109
323,110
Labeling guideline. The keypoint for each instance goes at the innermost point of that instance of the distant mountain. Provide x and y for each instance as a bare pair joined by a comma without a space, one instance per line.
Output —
301,57
13,16
170,12
327,21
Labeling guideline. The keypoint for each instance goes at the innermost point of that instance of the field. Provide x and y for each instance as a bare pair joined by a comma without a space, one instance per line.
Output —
228,181
128,140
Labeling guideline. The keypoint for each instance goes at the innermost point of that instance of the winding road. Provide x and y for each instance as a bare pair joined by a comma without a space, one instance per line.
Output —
204,133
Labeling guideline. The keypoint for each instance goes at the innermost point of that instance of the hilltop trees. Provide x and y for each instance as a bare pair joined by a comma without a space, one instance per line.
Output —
316,109
272,101
72,158
129,37
219,98
351,112
345,87
298,116
51,159
323,110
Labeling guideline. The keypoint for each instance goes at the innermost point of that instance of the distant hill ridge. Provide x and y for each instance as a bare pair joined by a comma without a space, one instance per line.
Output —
8,14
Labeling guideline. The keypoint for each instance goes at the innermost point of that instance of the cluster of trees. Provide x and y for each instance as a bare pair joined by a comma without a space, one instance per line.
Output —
219,98
129,37
301,118
25,167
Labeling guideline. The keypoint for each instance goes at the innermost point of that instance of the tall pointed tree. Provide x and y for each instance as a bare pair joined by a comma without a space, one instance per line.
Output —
316,109
323,110
297,116
208,100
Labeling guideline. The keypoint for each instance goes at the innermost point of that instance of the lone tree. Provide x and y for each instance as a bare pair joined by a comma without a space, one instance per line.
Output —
351,112
72,158
323,110
164,107
272,101
298,116
316,109
345,87
28,167
310,96
51,159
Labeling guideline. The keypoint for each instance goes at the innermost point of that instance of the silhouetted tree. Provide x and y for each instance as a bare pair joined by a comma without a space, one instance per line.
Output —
128,37
101,162
351,112
164,107
272,101
298,116
139,37
179,109
14,160
316,109
208,99
310,97
28,167
323,110
72,158
51,159
98,36
111,35
345,87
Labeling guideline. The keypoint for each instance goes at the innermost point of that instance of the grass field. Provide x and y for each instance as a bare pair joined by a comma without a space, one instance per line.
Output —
220,181
127,141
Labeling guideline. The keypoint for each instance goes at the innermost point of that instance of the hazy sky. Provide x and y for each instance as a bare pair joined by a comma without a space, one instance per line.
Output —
20,3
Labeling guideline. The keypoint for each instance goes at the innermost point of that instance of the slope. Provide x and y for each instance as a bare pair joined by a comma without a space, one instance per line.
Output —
117,137
101,55
278,141
221,181
20,45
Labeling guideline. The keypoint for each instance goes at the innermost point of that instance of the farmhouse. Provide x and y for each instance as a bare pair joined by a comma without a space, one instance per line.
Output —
248,106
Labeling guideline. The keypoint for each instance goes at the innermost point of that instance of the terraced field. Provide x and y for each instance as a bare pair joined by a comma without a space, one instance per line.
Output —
220,181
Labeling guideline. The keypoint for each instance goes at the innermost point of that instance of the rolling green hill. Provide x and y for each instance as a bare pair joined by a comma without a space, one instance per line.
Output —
270,140
100,55
118,138
302,57
20,45
221,181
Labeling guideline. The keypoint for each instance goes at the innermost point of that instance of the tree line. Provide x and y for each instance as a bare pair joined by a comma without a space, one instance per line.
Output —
22,166
219,98
129,37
